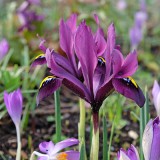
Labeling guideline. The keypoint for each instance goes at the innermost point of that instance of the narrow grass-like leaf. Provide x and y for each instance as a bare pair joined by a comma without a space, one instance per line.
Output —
82,151
111,138
105,139
57,115
146,107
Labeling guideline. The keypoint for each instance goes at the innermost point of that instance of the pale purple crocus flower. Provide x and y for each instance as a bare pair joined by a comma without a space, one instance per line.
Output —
14,103
51,151
136,31
136,36
27,16
156,96
130,154
4,48
151,140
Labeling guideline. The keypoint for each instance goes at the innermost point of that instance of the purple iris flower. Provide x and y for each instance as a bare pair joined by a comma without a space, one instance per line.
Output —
94,67
26,16
4,48
150,141
156,96
130,154
51,150
14,103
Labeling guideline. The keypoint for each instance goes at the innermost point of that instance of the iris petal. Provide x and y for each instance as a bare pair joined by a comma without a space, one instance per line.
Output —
39,60
129,90
47,87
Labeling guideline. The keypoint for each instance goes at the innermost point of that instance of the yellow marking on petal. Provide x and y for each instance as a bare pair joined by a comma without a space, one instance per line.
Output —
102,59
46,79
62,156
40,55
133,81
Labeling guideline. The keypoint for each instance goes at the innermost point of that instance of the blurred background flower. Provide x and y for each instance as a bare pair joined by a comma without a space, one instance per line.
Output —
4,48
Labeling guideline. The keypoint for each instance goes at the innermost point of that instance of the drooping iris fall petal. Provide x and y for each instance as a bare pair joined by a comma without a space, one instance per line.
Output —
128,87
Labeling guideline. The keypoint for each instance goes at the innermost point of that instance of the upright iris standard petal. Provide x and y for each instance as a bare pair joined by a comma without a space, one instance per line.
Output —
129,66
67,40
156,96
111,41
128,87
72,22
14,102
4,47
131,154
86,53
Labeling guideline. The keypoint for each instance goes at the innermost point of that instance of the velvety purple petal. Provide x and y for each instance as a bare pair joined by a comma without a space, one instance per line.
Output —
100,42
147,140
39,60
117,61
4,48
66,42
132,153
104,92
129,90
69,80
155,149
48,86
156,96
85,50
64,144
73,155
129,66
72,22
111,39
14,103
46,147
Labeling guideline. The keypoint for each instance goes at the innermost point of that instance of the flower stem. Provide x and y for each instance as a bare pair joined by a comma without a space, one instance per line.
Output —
57,115
81,128
18,155
105,139
95,137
